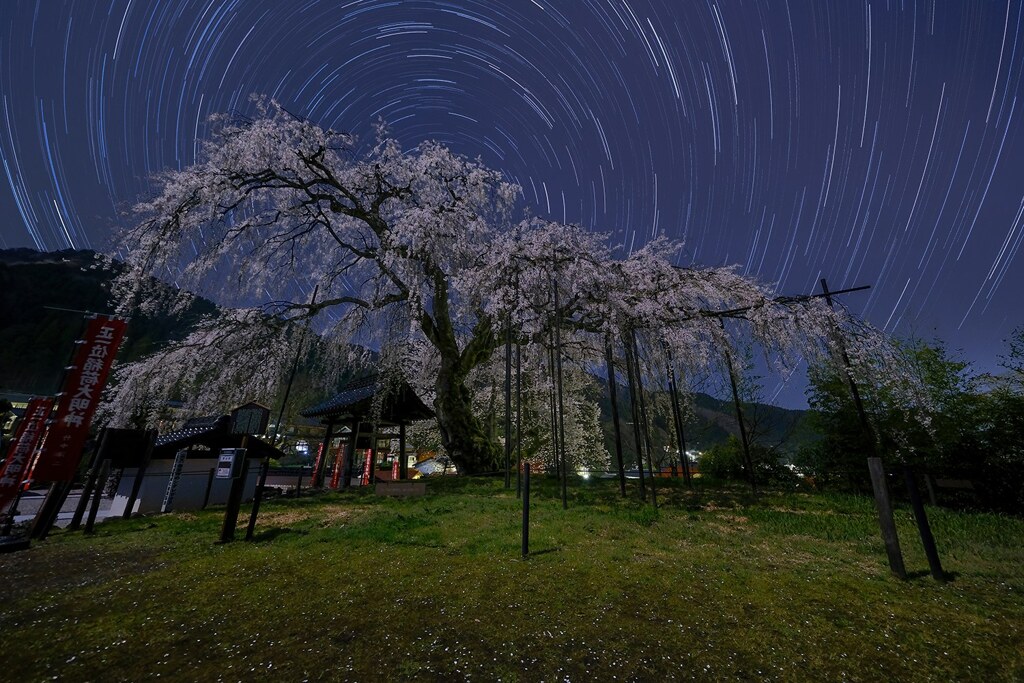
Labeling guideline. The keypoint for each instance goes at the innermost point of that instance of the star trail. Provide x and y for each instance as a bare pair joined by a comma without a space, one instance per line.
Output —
867,141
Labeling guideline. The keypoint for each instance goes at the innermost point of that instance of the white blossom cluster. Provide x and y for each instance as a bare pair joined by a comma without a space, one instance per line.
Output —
418,253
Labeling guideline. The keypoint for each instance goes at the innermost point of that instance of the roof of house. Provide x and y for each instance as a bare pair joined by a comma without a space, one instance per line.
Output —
355,400
212,431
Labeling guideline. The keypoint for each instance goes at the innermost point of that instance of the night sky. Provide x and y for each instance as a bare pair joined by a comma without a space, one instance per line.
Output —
870,142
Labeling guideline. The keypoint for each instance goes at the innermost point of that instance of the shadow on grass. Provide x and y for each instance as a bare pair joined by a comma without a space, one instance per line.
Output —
947,577
273,534
544,551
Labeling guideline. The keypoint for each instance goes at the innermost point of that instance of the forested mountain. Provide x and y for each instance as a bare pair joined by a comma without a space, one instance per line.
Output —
42,296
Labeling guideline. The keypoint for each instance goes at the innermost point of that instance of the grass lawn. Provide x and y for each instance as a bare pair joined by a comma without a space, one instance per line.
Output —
714,585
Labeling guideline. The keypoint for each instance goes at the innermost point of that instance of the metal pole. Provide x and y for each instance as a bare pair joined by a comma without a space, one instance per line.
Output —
613,395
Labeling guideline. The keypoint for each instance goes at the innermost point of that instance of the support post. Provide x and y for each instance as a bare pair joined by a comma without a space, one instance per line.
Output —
227,530
553,409
350,456
748,461
94,509
526,510
561,404
90,483
508,402
635,410
257,497
878,484
613,396
48,511
137,484
923,528
403,460
519,419
677,416
209,487
885,518
643,416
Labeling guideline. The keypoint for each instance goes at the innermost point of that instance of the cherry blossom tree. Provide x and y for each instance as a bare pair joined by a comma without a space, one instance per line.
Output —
420,250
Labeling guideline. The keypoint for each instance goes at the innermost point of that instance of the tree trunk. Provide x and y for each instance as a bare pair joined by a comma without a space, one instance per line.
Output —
462,434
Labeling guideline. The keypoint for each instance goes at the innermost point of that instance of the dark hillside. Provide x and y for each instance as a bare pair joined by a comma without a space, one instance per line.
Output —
40,296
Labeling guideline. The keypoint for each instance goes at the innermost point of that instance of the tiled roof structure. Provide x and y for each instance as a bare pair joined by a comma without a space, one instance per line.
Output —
213,432
355,400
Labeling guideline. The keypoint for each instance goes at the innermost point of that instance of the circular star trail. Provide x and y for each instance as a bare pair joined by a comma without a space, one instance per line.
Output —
868,141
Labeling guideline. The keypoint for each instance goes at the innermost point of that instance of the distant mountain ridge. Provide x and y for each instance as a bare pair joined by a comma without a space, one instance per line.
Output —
42,299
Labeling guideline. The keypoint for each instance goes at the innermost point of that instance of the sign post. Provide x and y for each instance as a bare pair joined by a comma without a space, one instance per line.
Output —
232,464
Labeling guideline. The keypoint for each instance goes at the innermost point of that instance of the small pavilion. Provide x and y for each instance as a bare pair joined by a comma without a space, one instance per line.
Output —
349,415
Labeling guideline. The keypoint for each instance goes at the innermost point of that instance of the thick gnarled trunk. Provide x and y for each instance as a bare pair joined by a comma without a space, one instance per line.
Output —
462,432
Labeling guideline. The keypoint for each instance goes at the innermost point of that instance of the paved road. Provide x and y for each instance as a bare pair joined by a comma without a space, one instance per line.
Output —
32,500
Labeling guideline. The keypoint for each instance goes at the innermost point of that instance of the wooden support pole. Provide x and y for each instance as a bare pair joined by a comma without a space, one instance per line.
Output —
635,410
677,417
526,509
257,497
321,470
143,466
923,528
90,522
90,483
508,402
617,428
885,517
645,425
747,460
519,419
403,461
561,404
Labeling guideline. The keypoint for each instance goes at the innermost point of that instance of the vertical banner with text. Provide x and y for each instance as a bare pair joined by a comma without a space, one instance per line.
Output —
27,438
367,469
76,405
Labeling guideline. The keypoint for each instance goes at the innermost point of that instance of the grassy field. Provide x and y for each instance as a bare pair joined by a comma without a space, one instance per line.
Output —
714,585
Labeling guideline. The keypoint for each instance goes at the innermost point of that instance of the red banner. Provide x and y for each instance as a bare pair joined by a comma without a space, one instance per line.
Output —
317,463
367,468
394,470
339,464
27,438
77,403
